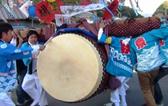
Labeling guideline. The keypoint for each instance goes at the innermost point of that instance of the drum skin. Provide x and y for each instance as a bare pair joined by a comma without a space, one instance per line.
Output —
71,68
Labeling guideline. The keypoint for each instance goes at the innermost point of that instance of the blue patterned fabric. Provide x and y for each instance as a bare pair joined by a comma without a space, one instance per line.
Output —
35,53
147,49
121,57
8,81
8,53
26,61
120,63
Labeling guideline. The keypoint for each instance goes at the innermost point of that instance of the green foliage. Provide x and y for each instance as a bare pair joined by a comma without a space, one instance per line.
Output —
54,5
163,9
36,1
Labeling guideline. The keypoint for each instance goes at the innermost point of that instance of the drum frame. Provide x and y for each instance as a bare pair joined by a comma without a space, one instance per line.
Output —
100,48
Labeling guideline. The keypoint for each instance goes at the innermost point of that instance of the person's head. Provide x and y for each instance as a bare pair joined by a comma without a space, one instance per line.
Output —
24,32
6,32
32,36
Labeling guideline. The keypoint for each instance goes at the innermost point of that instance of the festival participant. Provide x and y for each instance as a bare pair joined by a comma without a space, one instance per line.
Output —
149,60
8,54
22,97
120,64
31,83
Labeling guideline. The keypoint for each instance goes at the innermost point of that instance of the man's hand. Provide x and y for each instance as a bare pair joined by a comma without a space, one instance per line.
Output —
42,47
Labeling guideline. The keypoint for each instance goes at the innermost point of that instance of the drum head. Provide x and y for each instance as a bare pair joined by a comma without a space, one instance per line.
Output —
70,68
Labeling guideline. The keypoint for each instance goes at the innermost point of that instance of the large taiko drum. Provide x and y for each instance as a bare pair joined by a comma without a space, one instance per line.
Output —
71,67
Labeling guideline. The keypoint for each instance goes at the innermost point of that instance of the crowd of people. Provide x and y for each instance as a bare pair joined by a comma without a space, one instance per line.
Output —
146,54
20,54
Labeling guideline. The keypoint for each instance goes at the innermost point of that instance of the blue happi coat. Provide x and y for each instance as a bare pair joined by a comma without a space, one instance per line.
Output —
8,53
147,49
121,57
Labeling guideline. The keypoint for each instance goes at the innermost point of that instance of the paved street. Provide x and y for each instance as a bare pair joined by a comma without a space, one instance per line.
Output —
134,96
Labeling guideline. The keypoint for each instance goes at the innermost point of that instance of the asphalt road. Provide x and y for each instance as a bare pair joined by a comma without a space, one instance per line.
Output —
134,95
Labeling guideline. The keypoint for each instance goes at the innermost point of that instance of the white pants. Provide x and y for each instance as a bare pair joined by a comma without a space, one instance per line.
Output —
31,85
5,99
120,93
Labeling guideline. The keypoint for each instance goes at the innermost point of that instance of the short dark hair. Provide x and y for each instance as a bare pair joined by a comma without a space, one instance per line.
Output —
5,27
31,32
